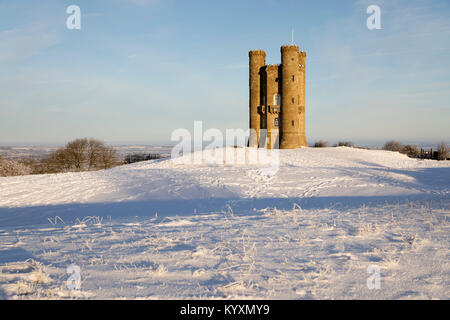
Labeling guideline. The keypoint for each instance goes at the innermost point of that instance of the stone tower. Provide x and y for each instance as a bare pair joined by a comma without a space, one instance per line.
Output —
277,102
257,62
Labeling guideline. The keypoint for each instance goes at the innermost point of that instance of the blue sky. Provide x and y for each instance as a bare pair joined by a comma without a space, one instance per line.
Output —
138,69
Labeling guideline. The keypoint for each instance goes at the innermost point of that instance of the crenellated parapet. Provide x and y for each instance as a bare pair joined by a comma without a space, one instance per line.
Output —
272,67
293,48
272,71
253,53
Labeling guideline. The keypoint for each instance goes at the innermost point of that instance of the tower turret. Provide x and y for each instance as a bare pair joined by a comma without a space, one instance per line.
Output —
292,117
302,61
257,61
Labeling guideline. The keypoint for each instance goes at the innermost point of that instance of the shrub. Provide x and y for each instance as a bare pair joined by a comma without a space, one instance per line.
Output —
321,144
107,158
57,161
13,168
393,146
345,144
411,151
443,151
137,157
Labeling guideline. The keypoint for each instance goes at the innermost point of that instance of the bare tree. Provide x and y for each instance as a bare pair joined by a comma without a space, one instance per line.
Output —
57,161
107,158
410,150
443,151
393,145
95,150
76,153
345,144
321,144
79,155
13,168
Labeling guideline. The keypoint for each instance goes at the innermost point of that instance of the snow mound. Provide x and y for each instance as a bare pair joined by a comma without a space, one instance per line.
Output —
308,176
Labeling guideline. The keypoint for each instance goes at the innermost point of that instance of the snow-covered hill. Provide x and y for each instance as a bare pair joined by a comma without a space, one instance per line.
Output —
307,228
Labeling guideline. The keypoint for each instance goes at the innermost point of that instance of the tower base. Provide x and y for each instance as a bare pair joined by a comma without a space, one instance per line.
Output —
293,141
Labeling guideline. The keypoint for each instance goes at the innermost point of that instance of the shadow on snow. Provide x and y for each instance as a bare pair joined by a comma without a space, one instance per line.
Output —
39,215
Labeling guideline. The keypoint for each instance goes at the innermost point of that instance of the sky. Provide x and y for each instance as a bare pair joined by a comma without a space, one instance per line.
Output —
137,70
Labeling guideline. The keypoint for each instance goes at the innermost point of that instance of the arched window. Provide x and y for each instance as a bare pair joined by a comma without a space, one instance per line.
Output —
276,99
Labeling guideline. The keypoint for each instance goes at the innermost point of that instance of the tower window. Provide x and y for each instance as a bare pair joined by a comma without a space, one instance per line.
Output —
276,99
293,78
292,100
292,122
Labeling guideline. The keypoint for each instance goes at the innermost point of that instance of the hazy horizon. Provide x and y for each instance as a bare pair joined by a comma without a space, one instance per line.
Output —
360,143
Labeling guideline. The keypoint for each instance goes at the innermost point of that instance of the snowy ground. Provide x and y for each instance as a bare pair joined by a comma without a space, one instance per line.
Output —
165,229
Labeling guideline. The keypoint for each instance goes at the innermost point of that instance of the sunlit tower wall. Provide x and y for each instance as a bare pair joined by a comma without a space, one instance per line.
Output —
257,61
272,107
292,119
301,110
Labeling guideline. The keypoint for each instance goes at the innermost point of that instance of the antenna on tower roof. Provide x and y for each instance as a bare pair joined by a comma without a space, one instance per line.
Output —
292,39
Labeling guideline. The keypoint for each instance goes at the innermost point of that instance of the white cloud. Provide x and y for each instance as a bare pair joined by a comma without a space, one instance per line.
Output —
23,42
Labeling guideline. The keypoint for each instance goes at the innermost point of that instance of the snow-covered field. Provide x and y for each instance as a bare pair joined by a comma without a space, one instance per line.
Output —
166,229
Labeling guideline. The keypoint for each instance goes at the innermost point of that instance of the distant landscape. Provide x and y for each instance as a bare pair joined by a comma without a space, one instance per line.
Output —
39,152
